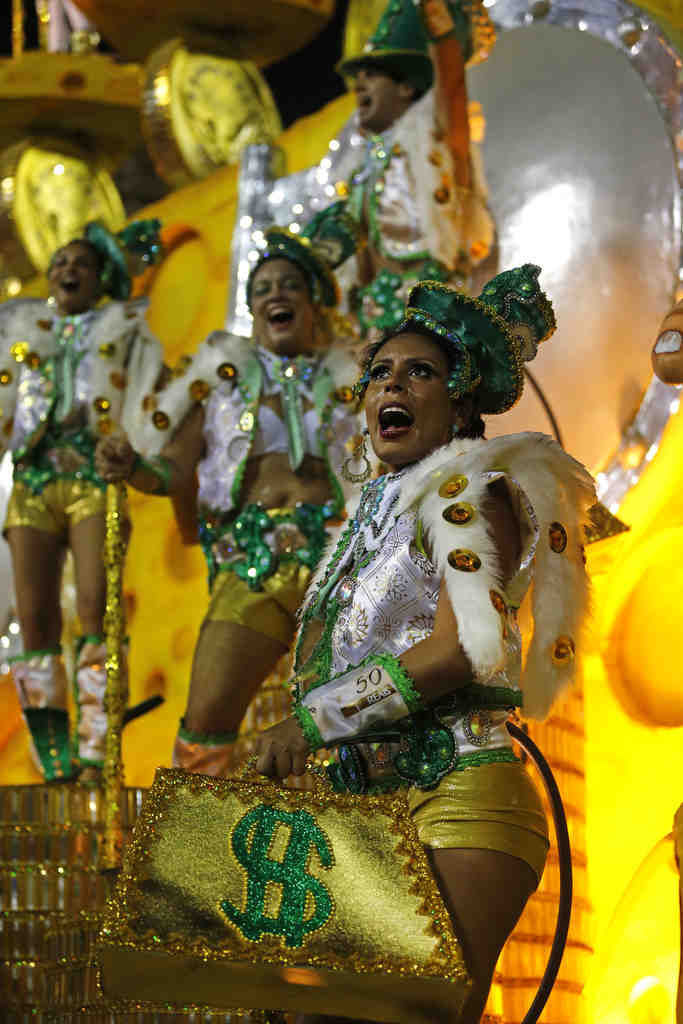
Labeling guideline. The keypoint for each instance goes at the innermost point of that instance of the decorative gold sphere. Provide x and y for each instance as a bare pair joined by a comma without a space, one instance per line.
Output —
200,111
47,196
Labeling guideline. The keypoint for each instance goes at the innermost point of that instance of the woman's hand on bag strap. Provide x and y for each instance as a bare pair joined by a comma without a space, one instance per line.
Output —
282,750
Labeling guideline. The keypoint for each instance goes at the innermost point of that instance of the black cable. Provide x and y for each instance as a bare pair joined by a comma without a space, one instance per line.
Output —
540,394
141,709
564,910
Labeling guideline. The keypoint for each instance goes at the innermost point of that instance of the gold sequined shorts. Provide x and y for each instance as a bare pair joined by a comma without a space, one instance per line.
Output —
61,504
489,807
270,610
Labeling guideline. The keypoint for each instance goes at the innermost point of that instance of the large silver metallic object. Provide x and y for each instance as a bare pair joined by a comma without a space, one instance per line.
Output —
583,154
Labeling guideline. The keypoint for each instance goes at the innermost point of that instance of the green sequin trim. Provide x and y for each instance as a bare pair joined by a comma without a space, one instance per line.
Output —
308,727
41,466
403,682
27,655
242,547
381,304
479,757
209,739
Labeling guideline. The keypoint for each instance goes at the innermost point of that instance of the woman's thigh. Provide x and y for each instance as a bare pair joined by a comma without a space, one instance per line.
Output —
230,662
485,892
37,558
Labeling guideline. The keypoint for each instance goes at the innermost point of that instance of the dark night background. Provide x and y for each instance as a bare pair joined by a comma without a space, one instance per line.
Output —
301,84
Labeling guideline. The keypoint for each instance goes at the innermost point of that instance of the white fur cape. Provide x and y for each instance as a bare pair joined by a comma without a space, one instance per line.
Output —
550,487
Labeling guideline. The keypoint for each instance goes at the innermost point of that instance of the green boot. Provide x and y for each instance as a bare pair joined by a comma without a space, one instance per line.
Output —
40,681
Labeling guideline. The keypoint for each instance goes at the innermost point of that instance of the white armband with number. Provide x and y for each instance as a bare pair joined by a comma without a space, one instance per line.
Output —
357,702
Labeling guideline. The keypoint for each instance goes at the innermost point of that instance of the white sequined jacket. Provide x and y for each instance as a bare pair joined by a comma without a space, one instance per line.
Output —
228,375
410,532
118,363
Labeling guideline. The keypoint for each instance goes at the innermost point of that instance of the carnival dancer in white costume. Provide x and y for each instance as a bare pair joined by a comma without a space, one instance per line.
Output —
73,371
408,658
419,197
265,426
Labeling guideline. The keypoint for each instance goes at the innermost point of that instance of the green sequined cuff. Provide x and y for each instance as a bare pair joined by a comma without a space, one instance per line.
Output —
210,739
401,680
27,655
308,727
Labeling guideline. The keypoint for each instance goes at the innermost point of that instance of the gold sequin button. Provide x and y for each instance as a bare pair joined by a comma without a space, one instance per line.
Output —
199,389
19,350
498,602
107,349
442,195
459,514
102,404
563,650
118,379
226,371
344,394
464,560
33,360
149,403
453,487
160,420
105,425
45,325
246,421
5,377
557,536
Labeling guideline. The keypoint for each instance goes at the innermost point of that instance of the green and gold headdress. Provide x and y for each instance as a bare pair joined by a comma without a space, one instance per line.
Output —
399,46
139,239
491,335
328,239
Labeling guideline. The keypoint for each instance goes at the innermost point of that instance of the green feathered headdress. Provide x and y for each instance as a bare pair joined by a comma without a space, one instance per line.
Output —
139,238
491,335
328,239
399,46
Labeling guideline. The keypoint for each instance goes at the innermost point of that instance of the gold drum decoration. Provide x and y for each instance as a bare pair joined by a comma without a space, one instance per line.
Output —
47,196
200,111
262,31
233,925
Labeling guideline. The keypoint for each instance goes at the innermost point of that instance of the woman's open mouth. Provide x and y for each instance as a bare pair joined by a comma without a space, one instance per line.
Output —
69,285
394,422
280,316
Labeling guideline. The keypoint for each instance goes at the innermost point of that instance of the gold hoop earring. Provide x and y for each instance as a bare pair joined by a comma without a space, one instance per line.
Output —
359,454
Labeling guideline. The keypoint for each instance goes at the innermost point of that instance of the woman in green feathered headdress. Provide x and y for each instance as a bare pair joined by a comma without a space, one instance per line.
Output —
262,423
408,660
74,370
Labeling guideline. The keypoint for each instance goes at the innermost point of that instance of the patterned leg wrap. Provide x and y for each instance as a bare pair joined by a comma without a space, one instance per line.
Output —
40,681
89,687
204,753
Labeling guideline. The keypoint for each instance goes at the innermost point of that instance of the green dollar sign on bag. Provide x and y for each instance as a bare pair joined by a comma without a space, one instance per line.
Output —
251,841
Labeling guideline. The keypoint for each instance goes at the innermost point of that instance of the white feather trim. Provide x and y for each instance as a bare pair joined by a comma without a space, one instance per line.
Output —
558,490
175,400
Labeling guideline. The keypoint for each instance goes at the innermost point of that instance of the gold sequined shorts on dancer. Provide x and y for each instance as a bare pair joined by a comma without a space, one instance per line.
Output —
270,610
488,807
62,503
